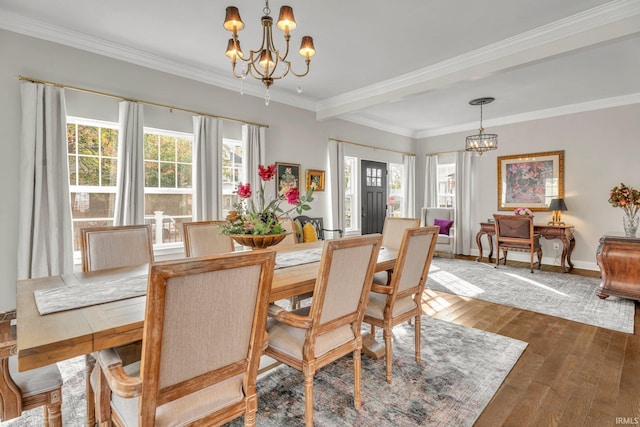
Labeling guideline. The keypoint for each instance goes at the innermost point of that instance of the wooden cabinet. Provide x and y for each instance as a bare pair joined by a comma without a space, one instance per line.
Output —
618,257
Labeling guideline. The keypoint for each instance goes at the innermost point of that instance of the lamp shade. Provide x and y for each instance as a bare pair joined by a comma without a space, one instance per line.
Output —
232,20
557,205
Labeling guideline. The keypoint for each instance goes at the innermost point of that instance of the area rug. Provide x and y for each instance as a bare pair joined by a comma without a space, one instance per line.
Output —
461,370
568,296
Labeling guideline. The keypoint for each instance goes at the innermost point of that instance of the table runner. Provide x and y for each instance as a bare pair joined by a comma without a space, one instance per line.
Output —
289,259
76,296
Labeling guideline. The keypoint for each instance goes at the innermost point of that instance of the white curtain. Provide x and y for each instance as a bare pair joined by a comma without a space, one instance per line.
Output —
464,191
45,231
431,182
254,142
207,168
129,206
335,186
409,185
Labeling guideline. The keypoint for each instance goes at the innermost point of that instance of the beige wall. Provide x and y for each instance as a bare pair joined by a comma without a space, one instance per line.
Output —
293,136
601,149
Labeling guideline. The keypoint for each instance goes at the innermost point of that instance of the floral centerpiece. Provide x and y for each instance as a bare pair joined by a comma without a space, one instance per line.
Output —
628,199
253,216
523,212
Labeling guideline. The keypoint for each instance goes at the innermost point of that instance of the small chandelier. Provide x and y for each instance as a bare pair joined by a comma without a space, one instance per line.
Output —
482,141
262,64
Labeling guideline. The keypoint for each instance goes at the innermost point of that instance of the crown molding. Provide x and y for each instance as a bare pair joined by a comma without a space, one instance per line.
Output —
494,57
616,101
45,31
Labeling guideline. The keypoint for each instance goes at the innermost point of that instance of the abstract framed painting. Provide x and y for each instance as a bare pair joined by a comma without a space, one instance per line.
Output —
530,180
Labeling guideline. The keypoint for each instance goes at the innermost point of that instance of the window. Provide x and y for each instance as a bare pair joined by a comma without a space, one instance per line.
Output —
350,192
447,185
93,150
167,189
395,178
232,172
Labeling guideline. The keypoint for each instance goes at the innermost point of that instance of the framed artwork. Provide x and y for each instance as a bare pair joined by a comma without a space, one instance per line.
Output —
287,175
315,180
530,180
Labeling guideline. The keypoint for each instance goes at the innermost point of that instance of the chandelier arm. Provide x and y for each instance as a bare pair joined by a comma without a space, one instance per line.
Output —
308,61
235,74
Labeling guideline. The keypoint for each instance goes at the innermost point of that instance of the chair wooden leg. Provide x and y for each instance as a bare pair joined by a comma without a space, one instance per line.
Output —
387,351
356,375
308,396
53,409
90,397
373,330
416,332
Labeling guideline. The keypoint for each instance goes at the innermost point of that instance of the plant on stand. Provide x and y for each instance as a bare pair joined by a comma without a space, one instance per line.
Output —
628,199
254,216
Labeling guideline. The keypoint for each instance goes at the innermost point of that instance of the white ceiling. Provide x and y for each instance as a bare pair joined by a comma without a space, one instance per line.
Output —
409,67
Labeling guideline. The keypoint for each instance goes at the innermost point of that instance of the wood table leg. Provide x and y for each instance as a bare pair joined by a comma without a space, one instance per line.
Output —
371,347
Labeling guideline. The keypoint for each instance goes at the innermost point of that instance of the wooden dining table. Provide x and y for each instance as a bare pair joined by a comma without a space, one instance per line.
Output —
45,339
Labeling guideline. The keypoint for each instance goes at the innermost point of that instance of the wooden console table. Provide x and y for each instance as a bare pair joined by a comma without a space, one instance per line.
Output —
618,257
561,232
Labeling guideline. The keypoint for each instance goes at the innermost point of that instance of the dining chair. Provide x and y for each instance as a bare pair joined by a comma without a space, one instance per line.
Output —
111,247
203,238
287,225
200,354
311,337
392,232
115,246
515,233
400,301
21,391
318,225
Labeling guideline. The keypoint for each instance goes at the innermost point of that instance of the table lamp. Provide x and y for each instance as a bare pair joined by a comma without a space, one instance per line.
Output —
557,206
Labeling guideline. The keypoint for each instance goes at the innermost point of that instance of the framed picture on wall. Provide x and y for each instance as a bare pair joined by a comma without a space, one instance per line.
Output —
315,180
530,180
287,175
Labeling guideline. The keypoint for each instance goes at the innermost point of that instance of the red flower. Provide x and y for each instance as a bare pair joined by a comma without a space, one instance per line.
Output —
244,191
293,196
266,173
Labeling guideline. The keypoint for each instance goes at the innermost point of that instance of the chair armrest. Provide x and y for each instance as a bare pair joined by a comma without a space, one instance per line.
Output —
291,319
119,382
381,289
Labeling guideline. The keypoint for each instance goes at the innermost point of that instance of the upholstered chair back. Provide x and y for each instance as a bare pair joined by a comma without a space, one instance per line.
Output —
291,239
341,291
203,337
413,263
393,229
116,246
203,238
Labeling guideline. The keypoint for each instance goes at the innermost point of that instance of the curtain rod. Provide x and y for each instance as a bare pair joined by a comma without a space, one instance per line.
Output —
444,152
371,146
124,98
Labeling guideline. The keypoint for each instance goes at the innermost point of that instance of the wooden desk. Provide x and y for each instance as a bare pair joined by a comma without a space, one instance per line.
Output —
618,257
59,336
561,232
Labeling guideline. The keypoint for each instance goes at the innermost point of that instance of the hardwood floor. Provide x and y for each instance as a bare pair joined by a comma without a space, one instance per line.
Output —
571,374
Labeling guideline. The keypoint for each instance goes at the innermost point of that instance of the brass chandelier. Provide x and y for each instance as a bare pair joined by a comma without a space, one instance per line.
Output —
266,63
482,141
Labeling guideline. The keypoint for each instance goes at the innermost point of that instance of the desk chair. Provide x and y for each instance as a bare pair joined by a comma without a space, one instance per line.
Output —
20,391
311,337
401,299
203,238
200,353
515,233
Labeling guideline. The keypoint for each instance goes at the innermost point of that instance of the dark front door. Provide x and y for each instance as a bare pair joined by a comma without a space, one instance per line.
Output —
373,192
